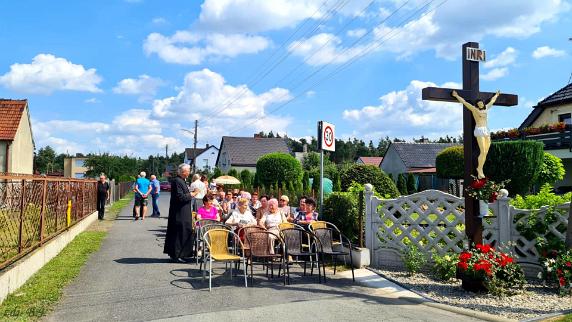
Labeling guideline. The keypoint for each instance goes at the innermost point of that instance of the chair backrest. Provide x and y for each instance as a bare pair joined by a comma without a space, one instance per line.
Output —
293,238
204,222
215,225
317,224
260,242
217,241
324,236
285,225
245,230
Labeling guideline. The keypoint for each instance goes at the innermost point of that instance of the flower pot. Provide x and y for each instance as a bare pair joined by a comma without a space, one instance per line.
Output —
483,208
472,283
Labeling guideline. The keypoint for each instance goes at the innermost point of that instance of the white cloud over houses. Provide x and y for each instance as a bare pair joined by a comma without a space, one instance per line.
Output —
404,114
48,73
193,48
144,85
447,28
545,51
498,66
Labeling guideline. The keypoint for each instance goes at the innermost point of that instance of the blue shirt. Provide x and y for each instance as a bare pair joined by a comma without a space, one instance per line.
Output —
143,185
155,186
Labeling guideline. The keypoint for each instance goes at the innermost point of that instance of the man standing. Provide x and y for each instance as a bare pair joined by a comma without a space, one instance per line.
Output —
198,191
102,196
142,190
179,237
155,190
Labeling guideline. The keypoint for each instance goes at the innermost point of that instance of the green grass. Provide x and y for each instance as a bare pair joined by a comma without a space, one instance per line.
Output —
42,292
566,318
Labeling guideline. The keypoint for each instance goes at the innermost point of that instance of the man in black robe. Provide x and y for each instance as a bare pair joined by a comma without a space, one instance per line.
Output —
179,238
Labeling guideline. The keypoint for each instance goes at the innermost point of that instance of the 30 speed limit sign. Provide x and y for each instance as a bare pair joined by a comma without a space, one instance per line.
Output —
326,132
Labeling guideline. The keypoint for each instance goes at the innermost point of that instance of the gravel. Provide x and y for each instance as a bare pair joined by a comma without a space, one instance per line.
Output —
536,299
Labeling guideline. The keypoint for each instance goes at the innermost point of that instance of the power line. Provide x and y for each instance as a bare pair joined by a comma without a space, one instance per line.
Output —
348,63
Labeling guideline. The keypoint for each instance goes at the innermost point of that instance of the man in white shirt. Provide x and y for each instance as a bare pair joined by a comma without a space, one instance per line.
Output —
198,191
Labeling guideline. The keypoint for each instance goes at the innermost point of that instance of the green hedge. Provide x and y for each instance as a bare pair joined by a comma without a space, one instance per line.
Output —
551,170
519,161
278,168
402,184
363,174
341,209
450,163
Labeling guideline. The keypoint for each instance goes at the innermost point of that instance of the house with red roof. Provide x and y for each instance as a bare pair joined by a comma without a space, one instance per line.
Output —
376,161
16,139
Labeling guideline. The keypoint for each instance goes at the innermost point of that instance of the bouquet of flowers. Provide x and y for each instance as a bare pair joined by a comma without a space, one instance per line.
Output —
560,268
497,270
484,189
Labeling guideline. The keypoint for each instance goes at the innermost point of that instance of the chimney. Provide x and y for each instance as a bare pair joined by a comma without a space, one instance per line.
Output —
207,145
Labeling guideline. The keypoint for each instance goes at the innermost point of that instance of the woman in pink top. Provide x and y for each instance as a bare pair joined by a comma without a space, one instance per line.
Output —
208,211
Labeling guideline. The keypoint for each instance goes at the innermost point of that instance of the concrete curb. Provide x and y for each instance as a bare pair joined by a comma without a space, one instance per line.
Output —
17,274
424,300
549,316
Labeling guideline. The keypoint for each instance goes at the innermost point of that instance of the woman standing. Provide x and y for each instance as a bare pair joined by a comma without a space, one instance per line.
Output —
178,241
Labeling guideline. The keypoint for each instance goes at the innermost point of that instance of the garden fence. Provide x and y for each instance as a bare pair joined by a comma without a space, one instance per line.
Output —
434,222
35,209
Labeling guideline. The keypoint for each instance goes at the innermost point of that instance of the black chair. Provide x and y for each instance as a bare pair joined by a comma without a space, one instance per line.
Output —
296,239
325,247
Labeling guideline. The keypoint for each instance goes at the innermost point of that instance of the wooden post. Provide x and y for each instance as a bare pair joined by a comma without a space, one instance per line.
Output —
43,211
22,206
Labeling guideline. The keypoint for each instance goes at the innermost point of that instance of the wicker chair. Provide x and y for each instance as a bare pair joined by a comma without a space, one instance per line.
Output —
202,230
217,241
325,247
262,245
242,232
294,239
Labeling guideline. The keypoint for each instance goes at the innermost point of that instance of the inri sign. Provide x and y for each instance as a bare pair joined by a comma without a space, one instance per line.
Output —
475,54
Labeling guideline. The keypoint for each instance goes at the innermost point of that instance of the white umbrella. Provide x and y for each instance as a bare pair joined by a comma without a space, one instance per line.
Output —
226,180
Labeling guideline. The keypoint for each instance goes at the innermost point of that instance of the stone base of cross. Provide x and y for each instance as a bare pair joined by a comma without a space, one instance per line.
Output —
470,93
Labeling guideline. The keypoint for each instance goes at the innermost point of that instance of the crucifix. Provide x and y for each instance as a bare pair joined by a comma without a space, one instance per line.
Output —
476,104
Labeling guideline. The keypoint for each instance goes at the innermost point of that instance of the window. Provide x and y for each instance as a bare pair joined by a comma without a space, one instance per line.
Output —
79,163
566,118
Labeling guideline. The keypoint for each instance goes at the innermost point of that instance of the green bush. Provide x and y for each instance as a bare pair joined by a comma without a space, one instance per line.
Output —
306,182
246,179
363,174
445,267
217,173
233,173
411,187
517,161
450,163
341,209
414,259
278,168
402,184
125,178
551,170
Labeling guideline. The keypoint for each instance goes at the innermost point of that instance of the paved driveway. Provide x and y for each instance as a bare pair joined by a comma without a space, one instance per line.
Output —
130,279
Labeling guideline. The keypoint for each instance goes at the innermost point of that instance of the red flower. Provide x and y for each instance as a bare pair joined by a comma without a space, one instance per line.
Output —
562,281
559,272
479,183
462,265
568,264
484,248
493,197
464,256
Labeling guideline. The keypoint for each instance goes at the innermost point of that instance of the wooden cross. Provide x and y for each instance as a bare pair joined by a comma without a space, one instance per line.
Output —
470,92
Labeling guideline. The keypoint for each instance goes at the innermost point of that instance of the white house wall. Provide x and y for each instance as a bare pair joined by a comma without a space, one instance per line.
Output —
392,163
22,148
207,159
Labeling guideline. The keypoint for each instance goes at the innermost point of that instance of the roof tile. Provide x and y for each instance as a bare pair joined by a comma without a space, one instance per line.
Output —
419,155
10,115
246,151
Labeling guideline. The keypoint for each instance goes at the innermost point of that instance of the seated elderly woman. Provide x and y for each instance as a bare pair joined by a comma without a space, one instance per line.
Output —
272,217
309,214
242,216
208,210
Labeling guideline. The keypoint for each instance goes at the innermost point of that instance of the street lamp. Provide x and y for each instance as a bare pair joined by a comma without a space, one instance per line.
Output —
194,133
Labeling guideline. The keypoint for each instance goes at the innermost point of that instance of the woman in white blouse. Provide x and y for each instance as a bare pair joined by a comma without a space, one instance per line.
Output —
273,217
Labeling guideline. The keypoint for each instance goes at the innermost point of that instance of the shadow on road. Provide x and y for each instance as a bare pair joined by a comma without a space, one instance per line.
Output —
139,260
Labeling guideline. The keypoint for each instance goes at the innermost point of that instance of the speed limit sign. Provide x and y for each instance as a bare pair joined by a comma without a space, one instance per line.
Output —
327,137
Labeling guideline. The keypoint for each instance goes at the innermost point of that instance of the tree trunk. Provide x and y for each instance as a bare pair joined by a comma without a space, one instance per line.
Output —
569,228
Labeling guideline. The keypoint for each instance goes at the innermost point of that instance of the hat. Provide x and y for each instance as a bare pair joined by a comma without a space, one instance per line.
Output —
285,197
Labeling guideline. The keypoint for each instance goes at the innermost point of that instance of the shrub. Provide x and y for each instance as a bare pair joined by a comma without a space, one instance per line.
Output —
217,173
518,161
445,267
278,168
233,172
413,259
306,182
450,163
341,209
551,170
559,270
246,178
402,184
411,187
363,174
125,178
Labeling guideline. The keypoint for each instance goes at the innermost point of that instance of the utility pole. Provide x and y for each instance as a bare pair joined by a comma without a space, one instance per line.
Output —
195,147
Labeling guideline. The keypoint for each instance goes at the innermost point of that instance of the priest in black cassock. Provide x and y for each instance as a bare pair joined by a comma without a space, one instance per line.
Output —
179,238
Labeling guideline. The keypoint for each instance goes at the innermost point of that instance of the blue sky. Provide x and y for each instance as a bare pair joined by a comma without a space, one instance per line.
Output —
125,76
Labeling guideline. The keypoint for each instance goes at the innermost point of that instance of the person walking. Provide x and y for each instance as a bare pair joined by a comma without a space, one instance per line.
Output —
103,193
155,190
179,238
198,191
142,190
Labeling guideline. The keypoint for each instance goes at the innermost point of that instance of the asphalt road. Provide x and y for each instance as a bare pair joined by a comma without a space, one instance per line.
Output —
130,279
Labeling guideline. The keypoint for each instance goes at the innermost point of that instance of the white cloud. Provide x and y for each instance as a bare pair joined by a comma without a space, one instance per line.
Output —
356,33
495,74
48,73
506,58
323,49
222,108
310,93
546,51
191,48
92,100
404,114
144,85
159,21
